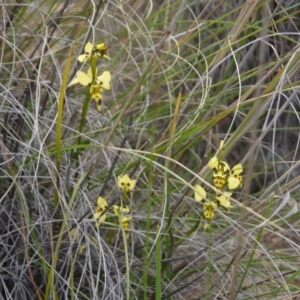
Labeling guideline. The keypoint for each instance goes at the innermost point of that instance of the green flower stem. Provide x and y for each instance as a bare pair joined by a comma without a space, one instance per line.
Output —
87,100
210,265
158,265
84,113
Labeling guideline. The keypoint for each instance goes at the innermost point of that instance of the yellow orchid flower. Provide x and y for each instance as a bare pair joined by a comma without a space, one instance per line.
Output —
218,165
219,180
118,210
86,78
100,50
90,51
125,183
209,208
101,206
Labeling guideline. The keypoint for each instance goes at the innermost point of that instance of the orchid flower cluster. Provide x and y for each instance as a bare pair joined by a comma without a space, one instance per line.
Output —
126,185
225,180
96,84
101,210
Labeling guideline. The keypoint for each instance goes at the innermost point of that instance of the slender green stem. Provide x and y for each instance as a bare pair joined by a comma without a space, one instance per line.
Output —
158,265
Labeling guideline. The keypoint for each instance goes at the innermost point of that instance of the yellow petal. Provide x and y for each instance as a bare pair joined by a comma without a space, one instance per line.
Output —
125,183
221,145
213,163
100,50
126,209
74,81
89,73
233,183
200,193
104,80
101,204
118,210
83,58
88,48
126,219
224,200
83,78
98,103
101,47
237,169
99,218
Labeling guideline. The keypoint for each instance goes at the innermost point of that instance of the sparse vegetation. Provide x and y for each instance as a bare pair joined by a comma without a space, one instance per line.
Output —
149,150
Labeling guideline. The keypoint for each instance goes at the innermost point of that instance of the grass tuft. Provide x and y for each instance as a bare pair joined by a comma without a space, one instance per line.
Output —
161,164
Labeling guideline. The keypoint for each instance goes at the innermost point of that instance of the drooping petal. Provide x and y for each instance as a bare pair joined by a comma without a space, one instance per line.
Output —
224,200
88,48
99,104
200,193
83,78
89,73
233,183
104,80
74,81
213,163
237,169
83,58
